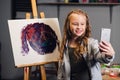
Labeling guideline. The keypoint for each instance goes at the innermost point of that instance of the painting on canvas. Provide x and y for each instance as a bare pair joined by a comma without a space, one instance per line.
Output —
34,41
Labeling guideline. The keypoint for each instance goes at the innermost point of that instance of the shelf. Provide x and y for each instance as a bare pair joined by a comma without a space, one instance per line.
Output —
97,4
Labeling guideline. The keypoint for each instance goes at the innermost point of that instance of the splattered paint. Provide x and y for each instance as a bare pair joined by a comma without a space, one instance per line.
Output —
41,38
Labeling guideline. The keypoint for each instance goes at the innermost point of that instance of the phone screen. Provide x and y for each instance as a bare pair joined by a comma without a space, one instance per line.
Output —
105,34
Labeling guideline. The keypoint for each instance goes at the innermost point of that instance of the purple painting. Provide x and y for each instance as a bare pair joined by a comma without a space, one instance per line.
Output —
34,41
40,36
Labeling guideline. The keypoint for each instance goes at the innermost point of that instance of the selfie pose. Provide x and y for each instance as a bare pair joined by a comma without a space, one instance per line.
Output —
81,54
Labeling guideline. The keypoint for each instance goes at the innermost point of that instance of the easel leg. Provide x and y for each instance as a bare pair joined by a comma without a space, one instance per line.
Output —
43,73
26,73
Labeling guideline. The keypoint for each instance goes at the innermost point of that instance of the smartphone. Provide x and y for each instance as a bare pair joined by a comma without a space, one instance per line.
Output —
105,34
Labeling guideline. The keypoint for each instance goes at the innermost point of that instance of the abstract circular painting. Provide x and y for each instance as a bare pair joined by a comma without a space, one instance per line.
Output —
40,36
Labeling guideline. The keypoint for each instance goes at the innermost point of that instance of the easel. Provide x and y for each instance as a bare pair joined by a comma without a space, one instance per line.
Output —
27,68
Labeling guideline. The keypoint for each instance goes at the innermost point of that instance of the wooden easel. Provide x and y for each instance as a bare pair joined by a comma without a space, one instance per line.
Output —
27,68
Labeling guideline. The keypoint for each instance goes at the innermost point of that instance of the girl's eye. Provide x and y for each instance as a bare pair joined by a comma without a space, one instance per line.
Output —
82,24
76,24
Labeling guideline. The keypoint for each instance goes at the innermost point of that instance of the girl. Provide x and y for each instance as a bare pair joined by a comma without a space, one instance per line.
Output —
81,54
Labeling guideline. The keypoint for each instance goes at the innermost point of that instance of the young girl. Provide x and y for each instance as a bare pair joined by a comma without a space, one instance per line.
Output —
81,55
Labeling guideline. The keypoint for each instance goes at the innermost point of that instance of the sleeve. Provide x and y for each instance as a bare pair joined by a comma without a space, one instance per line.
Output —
97,55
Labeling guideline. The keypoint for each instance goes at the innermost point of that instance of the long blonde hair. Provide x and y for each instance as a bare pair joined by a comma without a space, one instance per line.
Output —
81,48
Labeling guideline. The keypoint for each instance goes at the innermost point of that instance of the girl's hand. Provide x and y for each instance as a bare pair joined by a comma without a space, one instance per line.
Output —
106,48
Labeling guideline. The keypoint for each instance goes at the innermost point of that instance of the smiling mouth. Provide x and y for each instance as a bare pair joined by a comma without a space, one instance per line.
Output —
78,31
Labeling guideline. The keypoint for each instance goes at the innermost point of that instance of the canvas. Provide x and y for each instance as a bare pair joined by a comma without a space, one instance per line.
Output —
34,41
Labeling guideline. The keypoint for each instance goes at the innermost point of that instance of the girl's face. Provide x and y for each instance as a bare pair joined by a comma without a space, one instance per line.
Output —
77,24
